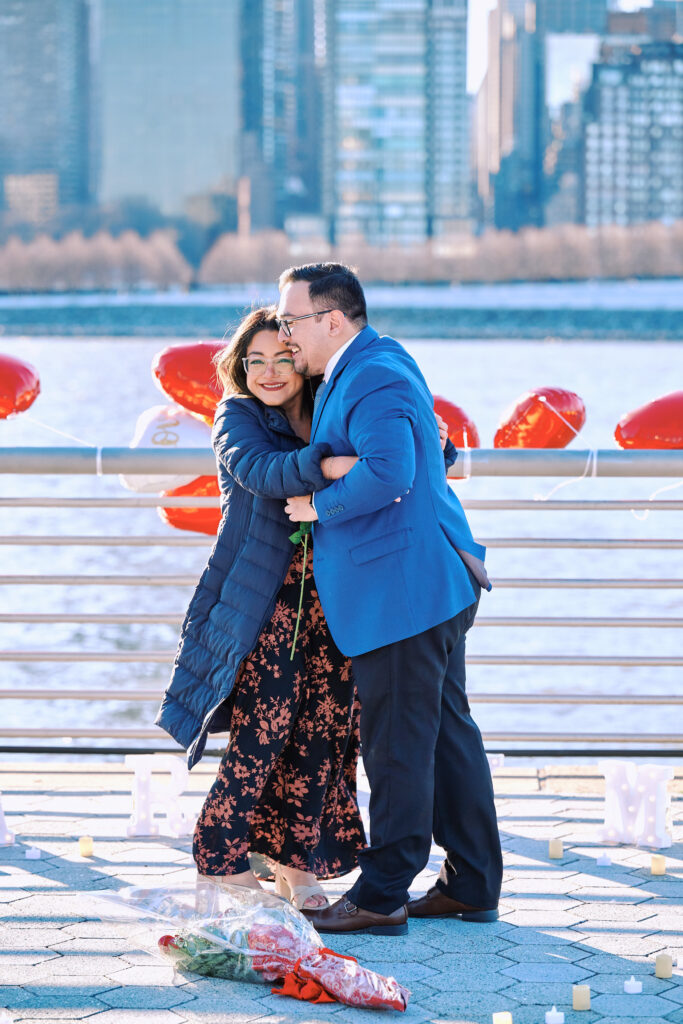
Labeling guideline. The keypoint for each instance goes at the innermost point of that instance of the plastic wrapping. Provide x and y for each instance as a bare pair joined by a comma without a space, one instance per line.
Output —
241,934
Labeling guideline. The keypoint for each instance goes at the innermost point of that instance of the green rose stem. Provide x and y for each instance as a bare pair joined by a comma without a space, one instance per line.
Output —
300,536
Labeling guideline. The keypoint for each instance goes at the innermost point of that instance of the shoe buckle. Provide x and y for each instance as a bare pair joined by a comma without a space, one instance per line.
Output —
349,907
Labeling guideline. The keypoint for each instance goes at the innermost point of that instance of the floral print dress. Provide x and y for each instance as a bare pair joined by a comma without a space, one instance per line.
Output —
286,786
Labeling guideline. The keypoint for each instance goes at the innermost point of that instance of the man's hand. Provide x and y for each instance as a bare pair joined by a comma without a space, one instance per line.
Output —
443,429
300,510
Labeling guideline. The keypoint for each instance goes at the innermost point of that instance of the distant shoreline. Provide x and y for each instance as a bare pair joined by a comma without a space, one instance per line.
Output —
600,310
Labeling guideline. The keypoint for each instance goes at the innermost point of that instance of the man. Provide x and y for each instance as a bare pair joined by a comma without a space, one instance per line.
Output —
398,597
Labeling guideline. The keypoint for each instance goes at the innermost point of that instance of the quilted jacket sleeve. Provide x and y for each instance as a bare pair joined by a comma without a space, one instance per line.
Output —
247,450
450,453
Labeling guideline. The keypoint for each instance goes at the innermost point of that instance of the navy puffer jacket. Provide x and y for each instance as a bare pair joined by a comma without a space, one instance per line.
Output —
261,462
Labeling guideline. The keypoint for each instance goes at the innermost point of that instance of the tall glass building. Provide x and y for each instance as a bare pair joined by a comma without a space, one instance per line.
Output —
280,145
396,165
167,99
44,106
633,168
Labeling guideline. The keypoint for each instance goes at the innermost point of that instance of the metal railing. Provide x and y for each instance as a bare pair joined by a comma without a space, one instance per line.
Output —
106,461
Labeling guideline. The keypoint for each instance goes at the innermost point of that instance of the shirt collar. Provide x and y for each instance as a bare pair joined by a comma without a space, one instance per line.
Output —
334,359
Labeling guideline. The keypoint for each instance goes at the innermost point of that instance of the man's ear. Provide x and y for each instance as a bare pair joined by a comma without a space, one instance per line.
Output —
337,320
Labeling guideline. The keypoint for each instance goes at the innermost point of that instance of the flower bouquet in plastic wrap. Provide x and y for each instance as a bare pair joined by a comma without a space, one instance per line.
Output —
241,934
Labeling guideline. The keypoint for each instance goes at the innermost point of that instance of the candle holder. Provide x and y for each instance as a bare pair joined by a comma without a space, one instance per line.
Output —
663,965
85,846
555,849
554,1016
658,864
581,997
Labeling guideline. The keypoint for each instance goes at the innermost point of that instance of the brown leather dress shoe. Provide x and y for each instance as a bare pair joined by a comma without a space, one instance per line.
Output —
345,916
437,904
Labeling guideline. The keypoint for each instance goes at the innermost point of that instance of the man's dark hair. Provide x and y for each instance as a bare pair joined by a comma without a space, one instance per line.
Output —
330,286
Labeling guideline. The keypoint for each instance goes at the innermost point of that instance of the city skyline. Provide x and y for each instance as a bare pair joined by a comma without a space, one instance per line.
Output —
344,121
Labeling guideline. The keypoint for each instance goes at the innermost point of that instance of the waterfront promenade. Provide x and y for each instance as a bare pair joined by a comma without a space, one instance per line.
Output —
563,922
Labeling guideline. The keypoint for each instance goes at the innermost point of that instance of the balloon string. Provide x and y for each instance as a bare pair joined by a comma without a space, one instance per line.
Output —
54,430
660,490
591,465
70,437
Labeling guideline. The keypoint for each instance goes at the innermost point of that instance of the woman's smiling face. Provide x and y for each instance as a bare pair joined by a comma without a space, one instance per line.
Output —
270,373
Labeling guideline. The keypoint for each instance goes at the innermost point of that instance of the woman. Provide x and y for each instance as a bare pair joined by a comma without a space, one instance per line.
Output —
286,786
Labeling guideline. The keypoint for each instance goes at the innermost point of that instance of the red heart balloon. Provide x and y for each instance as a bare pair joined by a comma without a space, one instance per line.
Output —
187,375
542,418
19,386
461,429
201,520
658,424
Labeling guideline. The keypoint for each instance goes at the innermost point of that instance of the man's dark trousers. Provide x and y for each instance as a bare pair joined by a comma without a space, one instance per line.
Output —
427,770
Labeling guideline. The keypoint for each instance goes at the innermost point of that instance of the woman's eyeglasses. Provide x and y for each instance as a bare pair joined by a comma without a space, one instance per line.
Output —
282,366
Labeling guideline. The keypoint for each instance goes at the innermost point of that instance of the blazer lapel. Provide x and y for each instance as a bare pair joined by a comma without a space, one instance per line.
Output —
361,341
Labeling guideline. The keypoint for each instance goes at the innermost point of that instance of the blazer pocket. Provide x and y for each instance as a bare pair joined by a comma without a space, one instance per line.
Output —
380,546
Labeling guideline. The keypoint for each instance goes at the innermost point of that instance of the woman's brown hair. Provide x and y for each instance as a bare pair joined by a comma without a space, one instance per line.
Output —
228,362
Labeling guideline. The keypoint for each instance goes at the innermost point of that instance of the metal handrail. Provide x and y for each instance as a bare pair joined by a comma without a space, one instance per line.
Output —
34,693
155,539
513,462
175,619
178,580
164,657
650,739
476,504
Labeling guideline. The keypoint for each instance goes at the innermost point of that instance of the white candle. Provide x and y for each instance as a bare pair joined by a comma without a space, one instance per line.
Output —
505,1017
555,849
632,986
33,853
581,997
663,965
85,846
554,1016
603,861
658,864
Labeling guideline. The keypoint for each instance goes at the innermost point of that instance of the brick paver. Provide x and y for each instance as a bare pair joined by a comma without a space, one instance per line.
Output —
562,922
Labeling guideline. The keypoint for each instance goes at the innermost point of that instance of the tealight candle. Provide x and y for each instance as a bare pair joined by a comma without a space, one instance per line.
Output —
632,986
663,965
554,1016
658,864
555,849
603,861
33,853
505,1017
581,997
85,846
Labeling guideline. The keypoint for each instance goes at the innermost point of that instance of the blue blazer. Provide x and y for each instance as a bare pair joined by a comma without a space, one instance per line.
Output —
386,570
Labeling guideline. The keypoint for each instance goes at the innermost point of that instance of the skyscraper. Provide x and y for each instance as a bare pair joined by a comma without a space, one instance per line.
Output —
281,145
167,100
396,165
634,136
44,106
514,127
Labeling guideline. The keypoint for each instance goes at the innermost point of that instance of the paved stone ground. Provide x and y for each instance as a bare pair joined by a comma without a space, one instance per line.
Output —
562,921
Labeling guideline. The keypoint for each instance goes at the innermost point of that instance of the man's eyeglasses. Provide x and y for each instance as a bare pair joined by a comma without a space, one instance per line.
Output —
282,365
285,325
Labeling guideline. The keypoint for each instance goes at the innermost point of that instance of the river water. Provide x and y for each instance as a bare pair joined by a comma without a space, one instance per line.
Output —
93,389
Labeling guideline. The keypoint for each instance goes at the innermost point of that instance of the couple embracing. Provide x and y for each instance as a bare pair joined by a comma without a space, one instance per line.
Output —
305,659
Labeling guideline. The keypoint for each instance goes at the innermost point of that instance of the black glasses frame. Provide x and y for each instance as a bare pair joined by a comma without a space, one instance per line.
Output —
284,325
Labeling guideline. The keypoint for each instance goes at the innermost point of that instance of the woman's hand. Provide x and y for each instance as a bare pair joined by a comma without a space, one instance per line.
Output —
335,466
443,430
